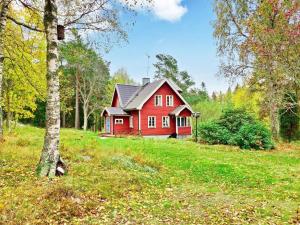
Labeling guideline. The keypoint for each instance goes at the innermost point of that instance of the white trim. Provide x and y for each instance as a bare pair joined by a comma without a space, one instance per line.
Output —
187,121
171,97
140,120
162,121
185,107
153,92
150,127
131,122
121,121
161,100
112,125
120,101
176,125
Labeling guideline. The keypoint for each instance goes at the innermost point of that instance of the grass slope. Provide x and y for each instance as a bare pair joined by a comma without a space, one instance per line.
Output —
135,180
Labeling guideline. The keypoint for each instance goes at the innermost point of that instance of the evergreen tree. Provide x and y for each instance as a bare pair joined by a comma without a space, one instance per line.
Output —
289,118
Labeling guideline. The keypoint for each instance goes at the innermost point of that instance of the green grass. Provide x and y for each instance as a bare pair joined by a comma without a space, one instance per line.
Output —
119,180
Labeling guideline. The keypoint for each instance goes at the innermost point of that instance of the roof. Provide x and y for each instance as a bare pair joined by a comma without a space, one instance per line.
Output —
175,86
133,97
126,92
179,109
143,94
114,111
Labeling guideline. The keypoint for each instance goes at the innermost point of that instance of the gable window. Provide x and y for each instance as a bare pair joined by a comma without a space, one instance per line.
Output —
169,100
119,121
183,122
151,122
165,121
158,100
131,121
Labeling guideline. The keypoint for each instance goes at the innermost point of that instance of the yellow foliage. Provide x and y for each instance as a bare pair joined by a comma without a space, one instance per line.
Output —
24,67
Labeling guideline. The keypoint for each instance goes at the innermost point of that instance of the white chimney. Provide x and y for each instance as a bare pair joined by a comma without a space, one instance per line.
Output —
146,81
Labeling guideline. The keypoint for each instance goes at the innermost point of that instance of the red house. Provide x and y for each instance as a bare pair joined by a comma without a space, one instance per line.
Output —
155,109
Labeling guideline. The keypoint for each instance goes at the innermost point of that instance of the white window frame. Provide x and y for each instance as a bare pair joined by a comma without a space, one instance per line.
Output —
183,121
168,123
154,122
131,121
119,121
170,100
159,103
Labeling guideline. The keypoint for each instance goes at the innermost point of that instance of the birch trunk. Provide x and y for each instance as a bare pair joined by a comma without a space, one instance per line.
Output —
77,122
85,118
50,154
3,19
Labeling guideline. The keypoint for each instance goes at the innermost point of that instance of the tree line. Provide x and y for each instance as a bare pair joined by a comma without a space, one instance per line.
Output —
43,18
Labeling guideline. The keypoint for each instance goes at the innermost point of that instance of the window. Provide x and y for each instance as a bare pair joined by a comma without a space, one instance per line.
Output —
158,100
169,100
151,121
183,122
165,121
118,121
131,121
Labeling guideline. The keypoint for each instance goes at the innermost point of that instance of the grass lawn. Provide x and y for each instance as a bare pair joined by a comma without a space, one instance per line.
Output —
135,181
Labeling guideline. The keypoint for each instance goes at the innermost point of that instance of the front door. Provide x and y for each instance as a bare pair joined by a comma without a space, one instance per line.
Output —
107,124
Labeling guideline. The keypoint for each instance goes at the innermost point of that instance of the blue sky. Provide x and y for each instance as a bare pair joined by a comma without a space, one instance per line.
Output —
182,29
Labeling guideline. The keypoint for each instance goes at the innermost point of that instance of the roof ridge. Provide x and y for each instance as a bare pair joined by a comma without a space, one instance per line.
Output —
135,85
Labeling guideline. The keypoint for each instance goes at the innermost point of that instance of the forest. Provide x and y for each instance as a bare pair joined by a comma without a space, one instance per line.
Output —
240,166
53,74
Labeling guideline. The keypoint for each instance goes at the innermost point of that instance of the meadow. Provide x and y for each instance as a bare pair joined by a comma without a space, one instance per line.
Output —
144,181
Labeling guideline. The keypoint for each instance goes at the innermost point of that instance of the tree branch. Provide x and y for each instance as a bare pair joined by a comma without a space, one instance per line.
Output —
234,20
24,25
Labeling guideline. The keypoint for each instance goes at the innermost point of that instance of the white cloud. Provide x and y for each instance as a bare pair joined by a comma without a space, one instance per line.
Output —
169,10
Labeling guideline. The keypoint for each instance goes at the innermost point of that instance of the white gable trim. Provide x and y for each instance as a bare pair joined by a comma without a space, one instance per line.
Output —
156,89
185,107
118,95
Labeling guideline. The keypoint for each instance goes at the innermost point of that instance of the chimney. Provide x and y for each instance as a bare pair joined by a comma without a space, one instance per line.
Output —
146,81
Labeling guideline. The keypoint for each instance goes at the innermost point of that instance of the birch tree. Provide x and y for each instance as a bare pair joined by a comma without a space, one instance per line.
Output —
100,16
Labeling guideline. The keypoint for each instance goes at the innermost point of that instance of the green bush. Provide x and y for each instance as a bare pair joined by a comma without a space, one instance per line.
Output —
234,119
213,133
237,127
255,136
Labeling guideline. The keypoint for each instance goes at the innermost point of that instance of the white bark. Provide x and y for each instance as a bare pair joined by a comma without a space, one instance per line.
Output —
3,20
77,121
50,154
85,118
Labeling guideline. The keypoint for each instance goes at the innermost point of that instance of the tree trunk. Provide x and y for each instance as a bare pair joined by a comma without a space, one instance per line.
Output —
50,158
85,118
274,119
8,113
77,121
3,19
63,119
274,110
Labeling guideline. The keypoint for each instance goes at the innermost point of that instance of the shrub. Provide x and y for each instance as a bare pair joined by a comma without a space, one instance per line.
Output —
237,127
213,133
234,119
255,136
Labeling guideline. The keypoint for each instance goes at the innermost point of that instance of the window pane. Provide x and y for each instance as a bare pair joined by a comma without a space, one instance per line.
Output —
178,121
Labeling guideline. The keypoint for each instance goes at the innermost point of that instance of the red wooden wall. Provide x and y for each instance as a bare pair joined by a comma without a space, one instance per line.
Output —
150,109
